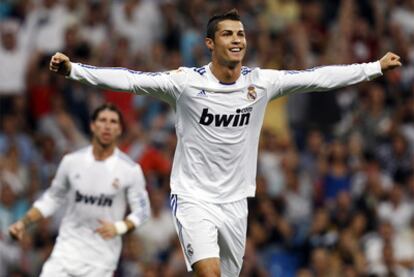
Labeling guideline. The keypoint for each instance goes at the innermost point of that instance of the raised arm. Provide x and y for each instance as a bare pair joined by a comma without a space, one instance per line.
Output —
166,86
328,77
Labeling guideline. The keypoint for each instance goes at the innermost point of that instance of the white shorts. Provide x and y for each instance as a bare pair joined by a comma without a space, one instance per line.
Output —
61,267
208,230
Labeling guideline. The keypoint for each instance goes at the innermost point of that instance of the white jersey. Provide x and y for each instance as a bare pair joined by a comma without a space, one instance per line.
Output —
218,125
94,190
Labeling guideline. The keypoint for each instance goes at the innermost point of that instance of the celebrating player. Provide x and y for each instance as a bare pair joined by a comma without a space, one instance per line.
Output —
219,113
97,183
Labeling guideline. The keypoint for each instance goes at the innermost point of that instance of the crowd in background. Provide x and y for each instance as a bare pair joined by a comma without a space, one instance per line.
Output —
335,185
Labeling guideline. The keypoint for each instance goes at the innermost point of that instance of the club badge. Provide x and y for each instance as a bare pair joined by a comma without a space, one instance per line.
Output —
251,93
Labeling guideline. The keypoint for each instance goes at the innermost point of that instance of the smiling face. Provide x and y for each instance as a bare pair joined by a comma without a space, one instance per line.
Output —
106,128
228,46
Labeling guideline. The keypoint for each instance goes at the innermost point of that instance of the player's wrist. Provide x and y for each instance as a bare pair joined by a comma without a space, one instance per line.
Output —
68,69
26,221
121,227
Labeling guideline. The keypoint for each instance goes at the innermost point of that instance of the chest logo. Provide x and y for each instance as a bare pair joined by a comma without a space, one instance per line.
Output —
240,118
202,93
101,200
251,93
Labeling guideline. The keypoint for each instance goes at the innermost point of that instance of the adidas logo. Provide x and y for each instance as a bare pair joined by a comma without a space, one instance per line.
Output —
202,93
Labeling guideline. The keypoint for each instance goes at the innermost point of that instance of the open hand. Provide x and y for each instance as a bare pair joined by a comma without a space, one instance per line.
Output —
390,61
107,229
60,63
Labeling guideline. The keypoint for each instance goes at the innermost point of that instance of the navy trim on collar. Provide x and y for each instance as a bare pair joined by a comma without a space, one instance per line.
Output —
227,84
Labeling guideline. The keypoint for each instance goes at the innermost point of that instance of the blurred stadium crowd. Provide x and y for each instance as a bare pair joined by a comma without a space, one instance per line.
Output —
335,189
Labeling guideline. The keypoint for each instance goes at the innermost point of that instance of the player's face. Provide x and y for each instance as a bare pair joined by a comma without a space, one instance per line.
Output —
106,129
229,44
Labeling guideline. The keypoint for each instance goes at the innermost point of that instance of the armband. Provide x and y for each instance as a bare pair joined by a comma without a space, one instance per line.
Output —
121,227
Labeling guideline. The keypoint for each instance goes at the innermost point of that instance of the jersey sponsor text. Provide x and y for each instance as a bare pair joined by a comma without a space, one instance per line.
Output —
241,118
101,200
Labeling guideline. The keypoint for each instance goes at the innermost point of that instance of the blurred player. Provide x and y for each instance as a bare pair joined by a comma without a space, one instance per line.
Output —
96,184
219,113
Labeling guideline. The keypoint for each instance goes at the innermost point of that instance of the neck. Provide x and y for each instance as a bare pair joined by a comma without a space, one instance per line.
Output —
102,152
225,73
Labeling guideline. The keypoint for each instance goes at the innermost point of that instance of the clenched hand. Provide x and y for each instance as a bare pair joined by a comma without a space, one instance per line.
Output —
390,61
60,63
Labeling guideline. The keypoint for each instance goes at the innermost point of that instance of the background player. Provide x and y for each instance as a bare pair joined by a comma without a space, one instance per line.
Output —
219,113
96,183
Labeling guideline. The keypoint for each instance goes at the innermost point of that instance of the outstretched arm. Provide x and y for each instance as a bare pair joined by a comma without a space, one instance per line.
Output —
327,77
164,85
118,79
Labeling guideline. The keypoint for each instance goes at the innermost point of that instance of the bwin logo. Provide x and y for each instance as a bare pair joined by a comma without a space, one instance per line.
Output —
102,200
241,118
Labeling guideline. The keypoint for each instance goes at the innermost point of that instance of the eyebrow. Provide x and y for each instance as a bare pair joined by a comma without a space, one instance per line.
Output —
229,30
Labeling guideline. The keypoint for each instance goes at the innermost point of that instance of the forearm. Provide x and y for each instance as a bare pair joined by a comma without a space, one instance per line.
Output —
31,217
328,77
164,86
117,79
141,210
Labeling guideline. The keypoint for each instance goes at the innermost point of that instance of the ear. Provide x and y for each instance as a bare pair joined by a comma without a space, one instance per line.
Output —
92,127
209,43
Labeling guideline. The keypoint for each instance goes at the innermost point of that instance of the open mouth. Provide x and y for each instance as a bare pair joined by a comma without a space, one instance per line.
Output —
235,50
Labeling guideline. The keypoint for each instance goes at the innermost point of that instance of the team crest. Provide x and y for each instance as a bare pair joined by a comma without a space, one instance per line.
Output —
251,93
116,183
190,250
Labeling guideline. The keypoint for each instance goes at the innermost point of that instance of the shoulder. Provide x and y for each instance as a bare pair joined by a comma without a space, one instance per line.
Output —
125,159
128,162
82,152
245,70
179,75
199,70
258,73
178,72
131,168
267,75
74,159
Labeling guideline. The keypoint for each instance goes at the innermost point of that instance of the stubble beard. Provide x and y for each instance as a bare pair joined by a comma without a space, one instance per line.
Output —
103,145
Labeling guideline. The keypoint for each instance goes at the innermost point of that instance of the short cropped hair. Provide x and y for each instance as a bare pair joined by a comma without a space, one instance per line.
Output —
110,107
216,19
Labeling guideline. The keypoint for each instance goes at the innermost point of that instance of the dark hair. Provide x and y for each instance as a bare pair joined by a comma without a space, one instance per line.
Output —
111,107
216,19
